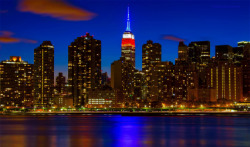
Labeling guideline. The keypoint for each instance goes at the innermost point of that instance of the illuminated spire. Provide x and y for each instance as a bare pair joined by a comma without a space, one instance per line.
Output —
128,22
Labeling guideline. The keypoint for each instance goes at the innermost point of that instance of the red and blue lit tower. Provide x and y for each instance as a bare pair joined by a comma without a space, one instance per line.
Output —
128,44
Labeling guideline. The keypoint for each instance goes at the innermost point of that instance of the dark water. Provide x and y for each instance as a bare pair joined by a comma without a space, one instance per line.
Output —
116,130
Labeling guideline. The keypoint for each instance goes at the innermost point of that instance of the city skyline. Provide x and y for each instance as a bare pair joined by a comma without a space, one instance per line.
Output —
124,73
115,23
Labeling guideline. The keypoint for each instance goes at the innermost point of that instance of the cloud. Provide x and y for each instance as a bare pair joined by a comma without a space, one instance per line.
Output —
3,11
6,37
6,33
55,8
28,41
172,38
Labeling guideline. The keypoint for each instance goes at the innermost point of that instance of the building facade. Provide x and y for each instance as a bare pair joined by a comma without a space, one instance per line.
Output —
16,82
84,68
128,44
104,97
151,56
246,69
139,87
60,83
226,79
44,74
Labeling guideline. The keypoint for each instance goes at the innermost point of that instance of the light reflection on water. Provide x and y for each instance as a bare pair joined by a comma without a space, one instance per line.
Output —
115,130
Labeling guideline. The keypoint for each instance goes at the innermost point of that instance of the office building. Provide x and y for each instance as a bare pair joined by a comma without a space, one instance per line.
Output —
201,51
60,83
128,44
151,55
16,82
44,74
226,79
84,68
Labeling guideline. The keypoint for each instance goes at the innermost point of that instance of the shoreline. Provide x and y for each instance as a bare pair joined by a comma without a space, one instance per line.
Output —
170,113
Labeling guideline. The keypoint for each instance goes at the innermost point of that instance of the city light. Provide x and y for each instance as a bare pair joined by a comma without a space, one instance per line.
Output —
195,80
124,73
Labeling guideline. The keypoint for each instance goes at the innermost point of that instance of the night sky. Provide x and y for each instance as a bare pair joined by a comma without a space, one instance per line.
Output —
24,24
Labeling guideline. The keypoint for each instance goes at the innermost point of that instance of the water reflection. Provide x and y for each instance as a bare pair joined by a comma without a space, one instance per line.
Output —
115,130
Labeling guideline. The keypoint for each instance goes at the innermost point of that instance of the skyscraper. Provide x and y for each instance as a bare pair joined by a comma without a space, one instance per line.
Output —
163,81
243,43
228,53
151,55
139,87
246,69
84,68
16,82
105,79
202,51
128,44
223,52
116,74
182,51
199,57
185,69
226,78
128,82
122,79
44,74
60,83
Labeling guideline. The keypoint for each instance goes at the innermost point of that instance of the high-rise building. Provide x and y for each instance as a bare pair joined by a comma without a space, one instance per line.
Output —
199,57
116,79
231,54
84,68
246,71
243,43
44,74
201,51
139,87
226,78
60,83
151,55
16,82
122,79
164,81
194,54
128,44
182,52
180,71
238,55
116,74
186,69
128,82
180,80
224,52
122,70
105,79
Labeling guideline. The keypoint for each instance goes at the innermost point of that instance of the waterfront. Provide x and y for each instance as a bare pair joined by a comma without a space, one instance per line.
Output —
117,130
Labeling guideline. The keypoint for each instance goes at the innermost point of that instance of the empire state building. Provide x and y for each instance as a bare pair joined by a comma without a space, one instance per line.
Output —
128,44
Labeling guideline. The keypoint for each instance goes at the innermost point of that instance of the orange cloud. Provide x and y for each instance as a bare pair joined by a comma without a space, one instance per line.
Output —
6,37
55,8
